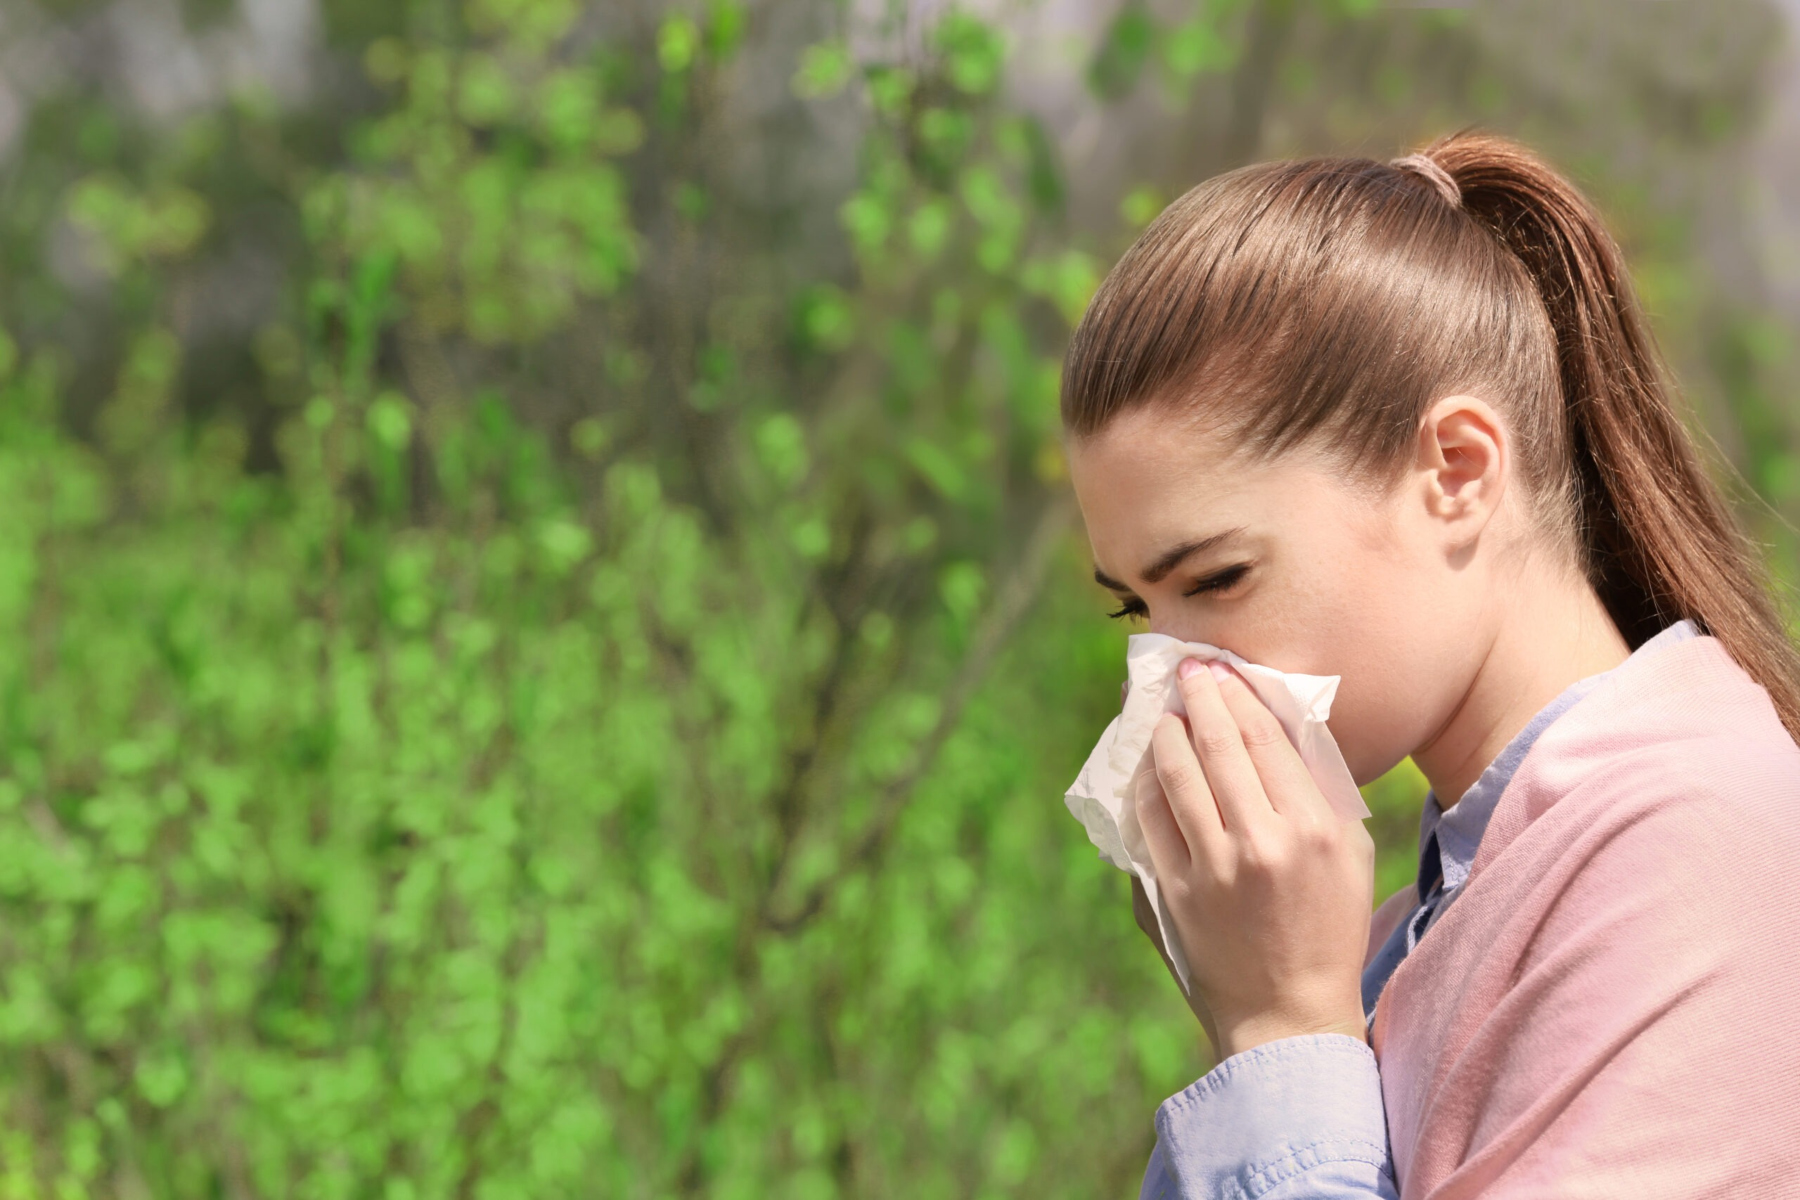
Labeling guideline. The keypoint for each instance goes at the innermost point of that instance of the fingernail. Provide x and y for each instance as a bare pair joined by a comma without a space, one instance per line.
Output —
1219,670
1188,667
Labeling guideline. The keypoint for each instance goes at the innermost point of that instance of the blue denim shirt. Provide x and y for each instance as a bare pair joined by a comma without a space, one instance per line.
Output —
1303,1116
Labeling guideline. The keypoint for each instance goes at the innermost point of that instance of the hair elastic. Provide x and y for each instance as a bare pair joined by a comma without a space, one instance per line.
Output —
1428,169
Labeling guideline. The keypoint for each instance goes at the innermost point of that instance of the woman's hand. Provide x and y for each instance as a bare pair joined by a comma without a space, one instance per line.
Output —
1269,889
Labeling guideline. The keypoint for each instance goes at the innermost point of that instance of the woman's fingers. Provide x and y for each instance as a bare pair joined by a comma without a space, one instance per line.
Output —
1169,852
1184,784
1220,748
1285,779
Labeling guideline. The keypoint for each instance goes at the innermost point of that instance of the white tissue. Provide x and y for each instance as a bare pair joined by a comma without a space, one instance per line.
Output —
1102,796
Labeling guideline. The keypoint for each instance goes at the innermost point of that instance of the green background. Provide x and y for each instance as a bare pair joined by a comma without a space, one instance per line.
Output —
542,628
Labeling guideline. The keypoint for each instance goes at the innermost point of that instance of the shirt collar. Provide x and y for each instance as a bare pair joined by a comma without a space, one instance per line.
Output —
1458,829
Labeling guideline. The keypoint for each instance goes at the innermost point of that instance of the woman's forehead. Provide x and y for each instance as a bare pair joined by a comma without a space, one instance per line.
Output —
1150,489
1142,466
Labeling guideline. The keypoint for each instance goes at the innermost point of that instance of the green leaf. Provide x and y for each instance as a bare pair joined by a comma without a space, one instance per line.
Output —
781,445
390,420
485,93
929,227
161,1076
1197,46
868,220
1124,48
677,41
940,468
564,543
825,319
962,586
1141,206
973,51
824,69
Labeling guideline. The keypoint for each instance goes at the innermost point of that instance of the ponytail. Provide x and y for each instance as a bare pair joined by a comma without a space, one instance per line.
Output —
1658,538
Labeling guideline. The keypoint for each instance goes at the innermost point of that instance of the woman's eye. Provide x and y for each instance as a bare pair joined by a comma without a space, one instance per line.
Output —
1218,581
1131,608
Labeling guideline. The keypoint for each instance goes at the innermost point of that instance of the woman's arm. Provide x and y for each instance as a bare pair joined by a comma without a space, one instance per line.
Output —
1292,1118
1270,893
1299,1117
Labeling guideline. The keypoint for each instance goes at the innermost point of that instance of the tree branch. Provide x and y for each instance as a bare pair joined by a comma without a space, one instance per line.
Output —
996,627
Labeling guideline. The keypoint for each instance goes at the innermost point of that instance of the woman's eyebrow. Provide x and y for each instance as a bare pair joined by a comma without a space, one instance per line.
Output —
1157,571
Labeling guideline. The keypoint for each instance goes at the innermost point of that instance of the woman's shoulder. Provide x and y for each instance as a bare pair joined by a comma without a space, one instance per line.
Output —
1684,742
1639,843
1626,945
1688,692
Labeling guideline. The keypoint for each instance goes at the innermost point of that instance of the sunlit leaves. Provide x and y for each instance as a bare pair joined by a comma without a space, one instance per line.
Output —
1140,206
532,25
562,765
781,444
727,22
390,421
486,93
162,1076
824,318
1123,50
868,220
1197,46
824,69
1068,280
891,89
1137,39
529,243
973,52
945,134
940,467
928,228
564,543
677,42
138,411
125,224
961,585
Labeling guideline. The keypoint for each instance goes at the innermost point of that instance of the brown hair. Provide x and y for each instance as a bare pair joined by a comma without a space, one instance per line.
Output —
1333,299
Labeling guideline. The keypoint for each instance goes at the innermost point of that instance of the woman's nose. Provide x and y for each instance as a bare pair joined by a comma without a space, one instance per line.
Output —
1184,628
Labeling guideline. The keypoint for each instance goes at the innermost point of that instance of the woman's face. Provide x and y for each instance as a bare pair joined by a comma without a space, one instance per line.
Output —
1290,566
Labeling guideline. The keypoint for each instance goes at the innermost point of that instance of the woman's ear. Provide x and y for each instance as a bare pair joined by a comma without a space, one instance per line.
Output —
1464,463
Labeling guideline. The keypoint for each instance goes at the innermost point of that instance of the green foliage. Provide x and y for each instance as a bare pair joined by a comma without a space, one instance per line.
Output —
1123,52
572,695
468,808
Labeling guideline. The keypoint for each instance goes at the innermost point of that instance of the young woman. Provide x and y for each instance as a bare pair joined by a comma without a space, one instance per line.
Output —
1403,423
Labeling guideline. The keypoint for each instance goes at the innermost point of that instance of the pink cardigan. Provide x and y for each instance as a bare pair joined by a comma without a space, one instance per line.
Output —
1611,1007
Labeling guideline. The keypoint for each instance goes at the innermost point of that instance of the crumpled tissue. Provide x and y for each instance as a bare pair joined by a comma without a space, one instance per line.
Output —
1102,797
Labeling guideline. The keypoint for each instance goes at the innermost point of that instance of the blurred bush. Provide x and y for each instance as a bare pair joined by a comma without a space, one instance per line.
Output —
541,626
